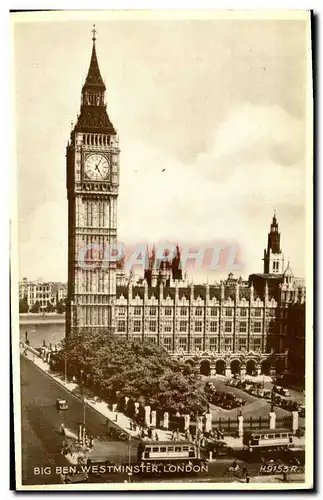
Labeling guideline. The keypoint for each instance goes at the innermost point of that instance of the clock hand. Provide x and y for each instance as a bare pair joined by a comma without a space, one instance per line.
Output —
97,168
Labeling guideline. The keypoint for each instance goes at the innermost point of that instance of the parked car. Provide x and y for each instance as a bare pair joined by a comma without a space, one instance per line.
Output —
61,404
301,411
281,390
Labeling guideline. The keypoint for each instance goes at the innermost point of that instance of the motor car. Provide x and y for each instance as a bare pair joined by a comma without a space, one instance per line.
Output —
219,448
285,392
61,404
98,460
285,404
301,411
267,394
300,432
75,478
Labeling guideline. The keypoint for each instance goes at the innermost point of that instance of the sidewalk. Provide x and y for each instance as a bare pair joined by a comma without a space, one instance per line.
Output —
116,418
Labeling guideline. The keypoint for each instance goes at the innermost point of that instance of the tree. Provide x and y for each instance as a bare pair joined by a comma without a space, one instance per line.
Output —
141,371
23,305
50,307
35,308
60,306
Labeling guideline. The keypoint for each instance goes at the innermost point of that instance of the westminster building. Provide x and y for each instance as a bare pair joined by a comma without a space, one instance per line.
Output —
236,326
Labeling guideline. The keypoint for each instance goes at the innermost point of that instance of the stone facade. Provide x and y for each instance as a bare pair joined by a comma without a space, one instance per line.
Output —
229,326
92,159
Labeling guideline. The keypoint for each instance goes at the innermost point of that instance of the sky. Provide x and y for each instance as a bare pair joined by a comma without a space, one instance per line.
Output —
211,117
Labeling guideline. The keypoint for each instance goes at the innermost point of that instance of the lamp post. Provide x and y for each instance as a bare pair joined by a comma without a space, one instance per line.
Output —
129,458
65,369
82,391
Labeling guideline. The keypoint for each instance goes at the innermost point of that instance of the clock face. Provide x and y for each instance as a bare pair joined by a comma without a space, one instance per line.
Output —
96,167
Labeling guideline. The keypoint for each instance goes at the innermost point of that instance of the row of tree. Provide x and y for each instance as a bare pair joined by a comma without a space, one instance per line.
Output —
141,371
59,307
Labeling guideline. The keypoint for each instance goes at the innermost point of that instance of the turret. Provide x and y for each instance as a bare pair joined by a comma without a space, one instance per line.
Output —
273,257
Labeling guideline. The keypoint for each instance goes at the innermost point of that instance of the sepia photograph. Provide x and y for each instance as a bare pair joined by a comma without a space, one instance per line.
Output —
162,247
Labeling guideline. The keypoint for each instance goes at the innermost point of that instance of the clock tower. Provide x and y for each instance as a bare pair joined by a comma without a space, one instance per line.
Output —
92,180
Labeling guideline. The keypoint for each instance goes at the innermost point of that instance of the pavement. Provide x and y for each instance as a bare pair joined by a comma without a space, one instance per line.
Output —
121,421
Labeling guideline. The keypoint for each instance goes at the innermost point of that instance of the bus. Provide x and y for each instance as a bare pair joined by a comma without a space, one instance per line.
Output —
267,438
168,451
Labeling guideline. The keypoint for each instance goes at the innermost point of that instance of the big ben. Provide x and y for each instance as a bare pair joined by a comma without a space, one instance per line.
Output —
92,181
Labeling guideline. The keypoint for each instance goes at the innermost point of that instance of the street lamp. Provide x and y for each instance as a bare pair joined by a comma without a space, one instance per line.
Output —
129,458
82,392
65,369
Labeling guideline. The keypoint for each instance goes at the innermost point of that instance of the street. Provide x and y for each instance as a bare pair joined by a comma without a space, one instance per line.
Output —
41,439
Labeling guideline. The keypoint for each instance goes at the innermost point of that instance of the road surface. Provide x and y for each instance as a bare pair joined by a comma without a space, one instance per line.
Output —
41,439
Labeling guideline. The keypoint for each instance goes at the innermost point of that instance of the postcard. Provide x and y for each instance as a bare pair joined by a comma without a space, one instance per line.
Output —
162,242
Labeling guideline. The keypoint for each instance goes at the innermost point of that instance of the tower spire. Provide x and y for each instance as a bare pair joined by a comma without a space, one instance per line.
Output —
93,116
93,34
273,256
94,81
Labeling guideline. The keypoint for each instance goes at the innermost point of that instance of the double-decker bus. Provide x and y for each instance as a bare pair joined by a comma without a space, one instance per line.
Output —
267,438
168,452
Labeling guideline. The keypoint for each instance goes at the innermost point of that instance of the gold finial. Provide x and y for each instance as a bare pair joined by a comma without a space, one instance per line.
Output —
94,33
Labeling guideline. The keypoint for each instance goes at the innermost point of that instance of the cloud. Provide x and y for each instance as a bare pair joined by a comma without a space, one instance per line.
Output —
255,163
228,192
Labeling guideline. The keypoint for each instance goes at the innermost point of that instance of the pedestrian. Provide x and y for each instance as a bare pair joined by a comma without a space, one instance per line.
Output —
62,428
91,442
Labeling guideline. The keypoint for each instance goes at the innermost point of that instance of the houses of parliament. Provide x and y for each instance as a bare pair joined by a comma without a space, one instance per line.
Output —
236,326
